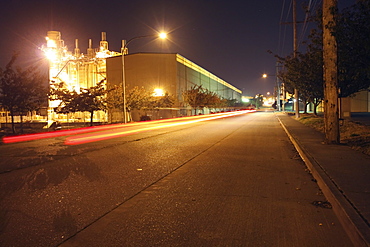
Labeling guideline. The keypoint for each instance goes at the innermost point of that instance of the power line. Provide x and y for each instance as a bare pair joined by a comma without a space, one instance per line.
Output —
284,17
312,6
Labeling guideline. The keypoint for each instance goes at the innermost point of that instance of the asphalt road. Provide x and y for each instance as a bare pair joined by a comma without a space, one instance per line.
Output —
228,182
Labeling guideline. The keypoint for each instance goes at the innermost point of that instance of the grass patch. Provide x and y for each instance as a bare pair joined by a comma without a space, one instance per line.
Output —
315,122
354,134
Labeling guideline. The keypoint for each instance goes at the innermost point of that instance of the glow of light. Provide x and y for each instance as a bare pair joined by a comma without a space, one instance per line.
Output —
51,134
158,92
51,54
268,101
54,103
119,128
75,140
50,43
163,35
264,75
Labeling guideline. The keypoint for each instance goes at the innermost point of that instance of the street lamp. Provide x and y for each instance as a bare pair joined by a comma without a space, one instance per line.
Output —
277,90
124,51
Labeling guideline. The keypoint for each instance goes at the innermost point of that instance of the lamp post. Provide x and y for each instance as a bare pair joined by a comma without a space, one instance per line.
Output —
124,51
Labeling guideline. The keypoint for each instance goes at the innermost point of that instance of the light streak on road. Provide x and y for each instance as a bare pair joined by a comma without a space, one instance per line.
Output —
51,134
75,140
58,133
117,128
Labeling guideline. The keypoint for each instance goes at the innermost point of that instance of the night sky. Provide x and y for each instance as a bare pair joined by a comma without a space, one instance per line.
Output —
229,38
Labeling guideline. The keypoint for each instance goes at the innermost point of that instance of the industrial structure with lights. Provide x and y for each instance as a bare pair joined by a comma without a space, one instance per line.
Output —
76,70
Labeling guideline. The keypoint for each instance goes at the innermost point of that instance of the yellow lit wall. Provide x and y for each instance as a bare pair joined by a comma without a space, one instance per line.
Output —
170,72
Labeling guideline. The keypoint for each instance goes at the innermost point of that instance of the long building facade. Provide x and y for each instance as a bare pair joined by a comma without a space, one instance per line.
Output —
171,73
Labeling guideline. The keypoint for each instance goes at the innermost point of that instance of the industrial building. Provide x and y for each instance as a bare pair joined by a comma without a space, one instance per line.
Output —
172,73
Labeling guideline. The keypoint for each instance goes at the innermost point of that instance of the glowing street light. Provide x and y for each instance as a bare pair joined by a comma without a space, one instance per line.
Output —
158,92
163,35
124,52
277,90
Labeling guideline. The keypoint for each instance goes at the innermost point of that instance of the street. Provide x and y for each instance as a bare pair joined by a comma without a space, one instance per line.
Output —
235,181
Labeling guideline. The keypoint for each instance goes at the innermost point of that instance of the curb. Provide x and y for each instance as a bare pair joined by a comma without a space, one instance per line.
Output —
351,221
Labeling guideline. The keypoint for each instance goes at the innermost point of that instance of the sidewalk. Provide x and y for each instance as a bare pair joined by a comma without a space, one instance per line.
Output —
342,174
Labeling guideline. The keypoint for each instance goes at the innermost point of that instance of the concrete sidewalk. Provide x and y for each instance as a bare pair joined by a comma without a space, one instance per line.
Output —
342,173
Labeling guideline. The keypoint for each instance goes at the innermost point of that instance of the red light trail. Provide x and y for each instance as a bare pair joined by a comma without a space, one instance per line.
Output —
88,134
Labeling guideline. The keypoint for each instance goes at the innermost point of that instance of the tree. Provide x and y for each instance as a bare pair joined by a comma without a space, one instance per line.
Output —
353,38
214,101
193,96
304,72
89,99
136,98
157,102
258,100
21,91
346,37
165,101
59,92
92,99
198,98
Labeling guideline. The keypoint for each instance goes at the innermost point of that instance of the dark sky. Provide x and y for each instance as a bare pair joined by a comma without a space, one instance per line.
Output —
229,38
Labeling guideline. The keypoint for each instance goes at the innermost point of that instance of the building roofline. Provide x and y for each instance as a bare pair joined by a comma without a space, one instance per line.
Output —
188,63
194,66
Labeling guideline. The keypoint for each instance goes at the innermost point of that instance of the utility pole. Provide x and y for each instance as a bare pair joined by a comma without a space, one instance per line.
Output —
295,48
331,114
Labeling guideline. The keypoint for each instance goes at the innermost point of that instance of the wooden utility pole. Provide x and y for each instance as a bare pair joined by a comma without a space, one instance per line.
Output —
295,49
331,113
